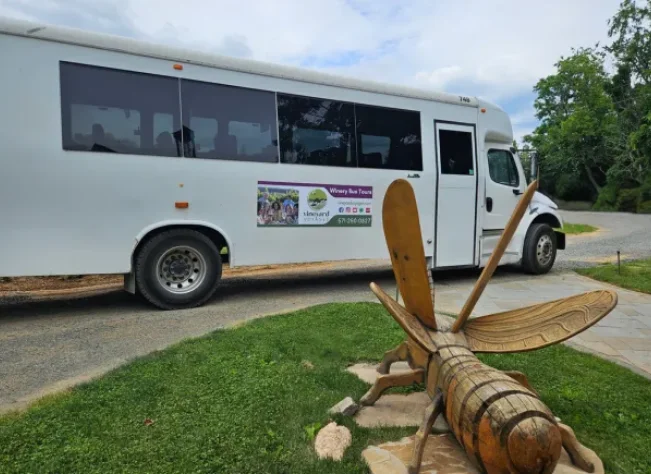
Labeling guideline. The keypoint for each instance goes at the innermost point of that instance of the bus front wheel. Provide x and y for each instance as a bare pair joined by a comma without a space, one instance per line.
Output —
539,252
178,269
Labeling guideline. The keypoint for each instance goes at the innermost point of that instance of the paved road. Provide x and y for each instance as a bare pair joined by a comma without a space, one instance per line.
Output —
628,233
47,346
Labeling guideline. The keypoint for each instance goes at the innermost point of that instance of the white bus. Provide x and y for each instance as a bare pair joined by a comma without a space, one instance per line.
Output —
125,157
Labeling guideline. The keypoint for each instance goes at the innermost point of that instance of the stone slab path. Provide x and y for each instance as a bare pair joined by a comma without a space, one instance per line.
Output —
623,336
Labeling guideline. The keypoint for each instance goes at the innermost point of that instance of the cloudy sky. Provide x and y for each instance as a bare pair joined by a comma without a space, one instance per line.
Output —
495,49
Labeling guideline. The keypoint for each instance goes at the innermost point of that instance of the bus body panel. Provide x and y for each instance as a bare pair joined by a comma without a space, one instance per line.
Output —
81,212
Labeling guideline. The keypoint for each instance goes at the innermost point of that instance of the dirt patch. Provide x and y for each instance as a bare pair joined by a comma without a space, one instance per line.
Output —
18,285
595,233
57,283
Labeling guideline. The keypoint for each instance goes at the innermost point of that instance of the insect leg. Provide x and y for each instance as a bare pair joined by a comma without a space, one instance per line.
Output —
400,353
384,382
573,448
431,413
521,379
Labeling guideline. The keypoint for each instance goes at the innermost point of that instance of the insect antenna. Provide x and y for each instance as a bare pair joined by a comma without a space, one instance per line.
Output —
495,257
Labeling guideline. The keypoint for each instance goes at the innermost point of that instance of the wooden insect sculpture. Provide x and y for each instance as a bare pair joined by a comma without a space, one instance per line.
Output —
496,417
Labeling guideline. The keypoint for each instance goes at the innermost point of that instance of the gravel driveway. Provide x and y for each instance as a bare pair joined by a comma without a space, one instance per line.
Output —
48,346
628,233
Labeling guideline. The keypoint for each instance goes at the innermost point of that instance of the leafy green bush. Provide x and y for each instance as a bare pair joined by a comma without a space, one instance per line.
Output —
607,200
628,199
644,207
570,187
644,199
645,191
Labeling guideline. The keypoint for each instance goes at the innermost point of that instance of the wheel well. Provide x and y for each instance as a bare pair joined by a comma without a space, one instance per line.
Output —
217,238
553,222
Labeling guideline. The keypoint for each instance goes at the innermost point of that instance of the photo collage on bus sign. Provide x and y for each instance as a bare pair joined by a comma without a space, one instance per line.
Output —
309,204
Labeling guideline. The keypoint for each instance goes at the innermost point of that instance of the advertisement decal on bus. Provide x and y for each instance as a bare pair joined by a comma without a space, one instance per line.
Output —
310,204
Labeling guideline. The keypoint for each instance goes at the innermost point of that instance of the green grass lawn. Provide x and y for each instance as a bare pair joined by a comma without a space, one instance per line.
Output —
571,229
635,274
242,400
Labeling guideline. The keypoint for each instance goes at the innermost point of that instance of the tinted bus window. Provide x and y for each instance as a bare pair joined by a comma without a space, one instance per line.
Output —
388,138
229,123
114,111
456,152
316,131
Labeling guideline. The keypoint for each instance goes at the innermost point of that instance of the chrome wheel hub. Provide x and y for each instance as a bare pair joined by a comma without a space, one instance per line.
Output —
544,250
181,269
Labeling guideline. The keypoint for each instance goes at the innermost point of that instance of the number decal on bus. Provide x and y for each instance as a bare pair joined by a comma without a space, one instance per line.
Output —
465,99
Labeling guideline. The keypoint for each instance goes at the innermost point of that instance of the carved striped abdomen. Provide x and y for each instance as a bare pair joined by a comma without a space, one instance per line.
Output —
503,427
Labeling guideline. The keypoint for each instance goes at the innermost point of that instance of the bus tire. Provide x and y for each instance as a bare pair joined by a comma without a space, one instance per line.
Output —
539,252
178,269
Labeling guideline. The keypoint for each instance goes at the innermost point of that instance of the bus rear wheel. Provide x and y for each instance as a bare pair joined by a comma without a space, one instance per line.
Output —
539,252
178,269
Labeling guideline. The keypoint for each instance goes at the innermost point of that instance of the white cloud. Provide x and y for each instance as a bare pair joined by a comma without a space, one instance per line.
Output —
496,49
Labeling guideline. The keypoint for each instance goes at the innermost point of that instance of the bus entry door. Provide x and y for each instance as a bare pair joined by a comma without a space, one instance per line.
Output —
456,200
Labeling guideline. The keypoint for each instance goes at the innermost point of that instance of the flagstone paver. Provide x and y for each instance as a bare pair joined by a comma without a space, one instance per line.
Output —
623,336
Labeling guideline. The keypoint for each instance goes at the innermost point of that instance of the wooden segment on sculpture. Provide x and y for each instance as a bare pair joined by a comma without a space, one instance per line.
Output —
540,325
521,379
482,429
573,448
528,439
495,257
409,323
444,338
432,375
404,240
531,452
384,382
460,390
454,352
417,355
476,394
431,413
398,354
451,367
468,398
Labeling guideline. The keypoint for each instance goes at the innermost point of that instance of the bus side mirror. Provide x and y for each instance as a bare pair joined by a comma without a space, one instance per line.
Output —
534,167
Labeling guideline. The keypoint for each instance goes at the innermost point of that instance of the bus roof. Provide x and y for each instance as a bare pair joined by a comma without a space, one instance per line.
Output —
121,44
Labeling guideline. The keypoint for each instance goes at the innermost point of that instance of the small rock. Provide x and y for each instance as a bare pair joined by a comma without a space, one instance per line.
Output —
346,407
307,364
332,441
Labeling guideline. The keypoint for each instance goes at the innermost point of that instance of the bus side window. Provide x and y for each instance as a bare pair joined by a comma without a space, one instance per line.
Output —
316,131
110,110
395,134
229,122
165,143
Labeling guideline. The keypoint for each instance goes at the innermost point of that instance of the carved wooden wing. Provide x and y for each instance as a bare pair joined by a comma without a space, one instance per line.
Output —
410,323
404,240
540,325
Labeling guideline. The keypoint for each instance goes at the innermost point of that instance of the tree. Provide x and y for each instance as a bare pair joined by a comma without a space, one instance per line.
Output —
630,89
632,42
578,123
